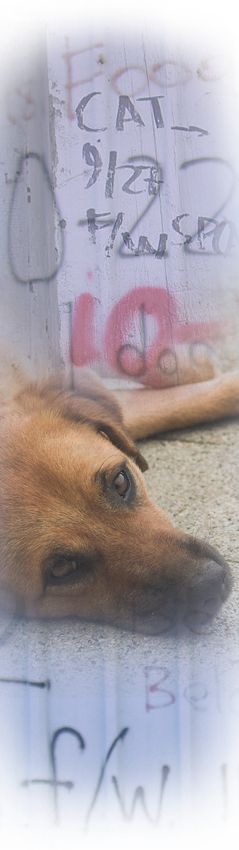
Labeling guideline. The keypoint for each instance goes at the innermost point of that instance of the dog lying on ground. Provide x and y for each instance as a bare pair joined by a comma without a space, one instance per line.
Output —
78,533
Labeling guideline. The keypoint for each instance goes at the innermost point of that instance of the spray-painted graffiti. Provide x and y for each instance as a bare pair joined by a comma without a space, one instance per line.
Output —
54,782
22,102
78,57
144,337
160,692
152,172
166,73
35,232
209,234
69,751
32,684
126,112
126,809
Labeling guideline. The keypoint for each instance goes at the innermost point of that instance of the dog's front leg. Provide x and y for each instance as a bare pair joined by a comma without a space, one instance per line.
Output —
147,412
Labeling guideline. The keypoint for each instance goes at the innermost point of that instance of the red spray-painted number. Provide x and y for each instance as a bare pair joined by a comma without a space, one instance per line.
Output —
127,345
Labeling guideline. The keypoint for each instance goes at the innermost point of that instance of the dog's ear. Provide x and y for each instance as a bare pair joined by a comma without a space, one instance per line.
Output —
90,401
119,437
102,409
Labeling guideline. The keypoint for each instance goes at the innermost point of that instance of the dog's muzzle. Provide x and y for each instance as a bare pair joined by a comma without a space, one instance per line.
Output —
192,605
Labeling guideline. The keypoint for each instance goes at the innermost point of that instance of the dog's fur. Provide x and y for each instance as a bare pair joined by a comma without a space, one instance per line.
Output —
78,533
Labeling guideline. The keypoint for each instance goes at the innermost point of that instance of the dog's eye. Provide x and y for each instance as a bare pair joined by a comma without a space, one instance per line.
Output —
63,568
121,483
70,569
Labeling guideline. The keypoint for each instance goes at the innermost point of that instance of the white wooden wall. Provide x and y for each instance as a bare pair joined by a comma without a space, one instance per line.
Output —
119,231
157,304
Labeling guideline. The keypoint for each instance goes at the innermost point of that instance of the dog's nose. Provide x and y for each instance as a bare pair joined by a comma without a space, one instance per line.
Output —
213,580
206,594
192,600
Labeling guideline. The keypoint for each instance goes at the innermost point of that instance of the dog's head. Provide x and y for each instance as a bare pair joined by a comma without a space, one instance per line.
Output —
78,532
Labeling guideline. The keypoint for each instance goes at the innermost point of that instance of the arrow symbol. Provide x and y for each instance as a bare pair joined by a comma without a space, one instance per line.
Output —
192,129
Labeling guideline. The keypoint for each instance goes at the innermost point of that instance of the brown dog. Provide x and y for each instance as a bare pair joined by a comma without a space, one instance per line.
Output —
78,532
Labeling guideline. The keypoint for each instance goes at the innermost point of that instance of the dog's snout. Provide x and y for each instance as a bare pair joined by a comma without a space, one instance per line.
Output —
206,594
194,602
